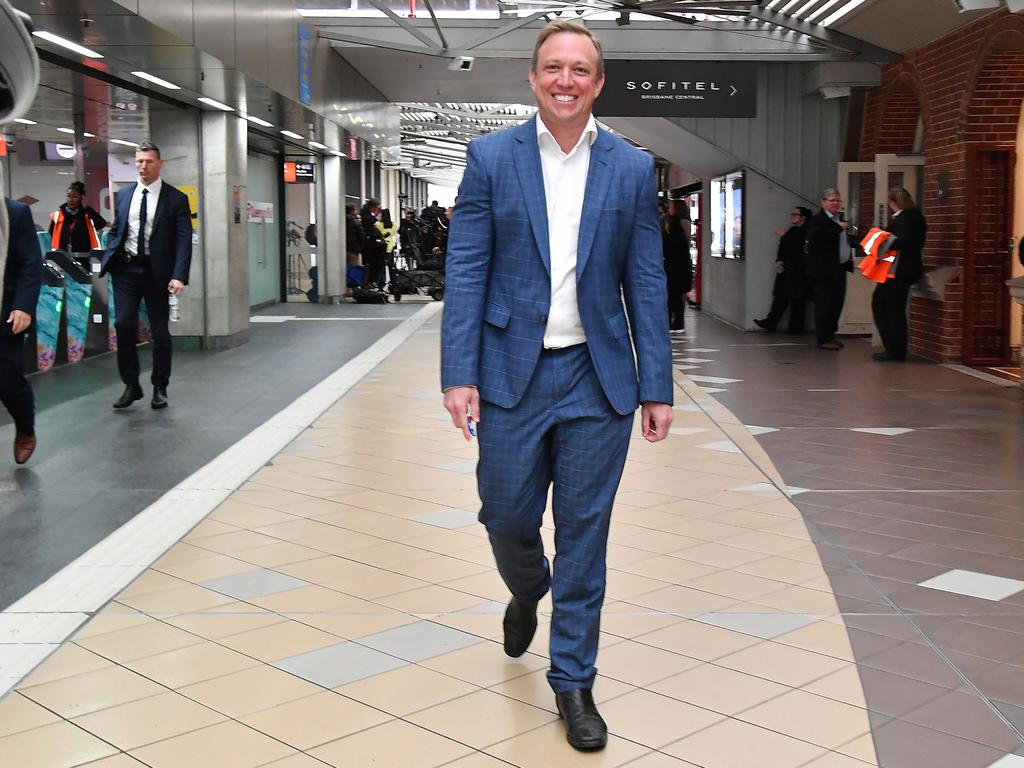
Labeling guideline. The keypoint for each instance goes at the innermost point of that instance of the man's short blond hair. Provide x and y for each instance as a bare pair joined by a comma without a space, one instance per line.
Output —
568,26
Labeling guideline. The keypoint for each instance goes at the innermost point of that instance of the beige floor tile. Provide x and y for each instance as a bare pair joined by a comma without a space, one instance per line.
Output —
431,599
193,664
698,640
481,718
407,689
810,718
782,569
393,745
546,747
478,760
629,621
836,760
209,528
352,626
151,581
660,760
622,585
533,689
485,664
296,761
668,568
225,745
138,642
821,637
279,641
248,516
486,586
228,619
180,553
180,600
319,719
117,761
801,600
371,583
387,555
844,685
68,660
206,568
113,617
719,689
148,720
861,748
92,691
19,714
740,586
313,599
53,746
773,661
437,569
638,664
280,553
681,599
251,690
734,744
654,721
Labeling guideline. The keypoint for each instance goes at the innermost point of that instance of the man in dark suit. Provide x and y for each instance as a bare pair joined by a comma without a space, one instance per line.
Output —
554,282
149,252
22,278
829,259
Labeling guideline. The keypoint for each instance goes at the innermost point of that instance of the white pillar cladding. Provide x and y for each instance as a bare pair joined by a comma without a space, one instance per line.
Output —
226,243
331,229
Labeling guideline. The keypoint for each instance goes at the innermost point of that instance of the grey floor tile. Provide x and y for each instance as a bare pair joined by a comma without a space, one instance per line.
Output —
447,518
763,625
339,664
420,640
254,584
1012,713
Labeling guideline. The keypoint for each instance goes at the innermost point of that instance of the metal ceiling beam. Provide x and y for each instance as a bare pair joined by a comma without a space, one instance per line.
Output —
437,24
494,34
404,24
369,42
826,36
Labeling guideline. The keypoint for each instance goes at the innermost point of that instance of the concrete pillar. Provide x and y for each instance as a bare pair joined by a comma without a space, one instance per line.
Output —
331,231
226,243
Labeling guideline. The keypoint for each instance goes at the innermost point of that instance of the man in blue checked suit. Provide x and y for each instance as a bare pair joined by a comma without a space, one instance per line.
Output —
555,330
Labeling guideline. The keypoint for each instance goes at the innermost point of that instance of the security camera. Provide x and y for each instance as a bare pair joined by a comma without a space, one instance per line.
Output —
461,64
19,67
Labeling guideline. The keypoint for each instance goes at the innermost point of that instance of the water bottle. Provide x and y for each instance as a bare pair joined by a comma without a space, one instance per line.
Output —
173,307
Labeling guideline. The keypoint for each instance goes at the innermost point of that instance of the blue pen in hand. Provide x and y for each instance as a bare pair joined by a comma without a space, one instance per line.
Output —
472,429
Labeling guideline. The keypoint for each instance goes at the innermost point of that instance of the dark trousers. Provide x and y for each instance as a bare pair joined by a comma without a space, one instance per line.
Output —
132,283
889,309
778,309
829,296
373,264
563,434
15,392
677,300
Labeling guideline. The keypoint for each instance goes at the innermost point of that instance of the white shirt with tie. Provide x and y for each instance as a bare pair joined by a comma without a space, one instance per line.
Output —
565,184
131,240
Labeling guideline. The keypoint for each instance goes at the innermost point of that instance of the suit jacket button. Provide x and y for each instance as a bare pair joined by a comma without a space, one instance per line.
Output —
542,319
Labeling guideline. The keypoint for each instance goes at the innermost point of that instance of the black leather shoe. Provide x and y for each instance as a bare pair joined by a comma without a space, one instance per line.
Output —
585,728
129,396
159,398
520,623
762,324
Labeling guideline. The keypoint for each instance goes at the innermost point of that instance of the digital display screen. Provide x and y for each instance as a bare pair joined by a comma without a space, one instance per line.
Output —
727,215
298,173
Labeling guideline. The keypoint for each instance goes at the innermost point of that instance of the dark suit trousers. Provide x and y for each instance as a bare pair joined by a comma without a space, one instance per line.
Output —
15,392
889,309
778,309
829,296
563,434
676,300
132,283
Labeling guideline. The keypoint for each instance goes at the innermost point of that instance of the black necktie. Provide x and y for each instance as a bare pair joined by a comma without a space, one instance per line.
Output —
142,224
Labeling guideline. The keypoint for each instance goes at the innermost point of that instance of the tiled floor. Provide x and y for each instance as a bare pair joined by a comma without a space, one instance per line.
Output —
342,607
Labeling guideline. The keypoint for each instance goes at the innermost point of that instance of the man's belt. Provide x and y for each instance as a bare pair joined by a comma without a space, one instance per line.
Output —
133,258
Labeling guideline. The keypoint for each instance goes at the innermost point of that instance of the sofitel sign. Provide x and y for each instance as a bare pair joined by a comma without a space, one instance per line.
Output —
678,89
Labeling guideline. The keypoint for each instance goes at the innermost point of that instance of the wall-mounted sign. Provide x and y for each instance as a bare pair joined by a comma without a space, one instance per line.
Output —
298,173
307,41
260,213
678,89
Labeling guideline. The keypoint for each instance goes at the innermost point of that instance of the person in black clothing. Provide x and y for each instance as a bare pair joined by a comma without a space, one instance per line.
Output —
675,245
791,285
409,237
353,244
74,224
889,302
829,259
373,243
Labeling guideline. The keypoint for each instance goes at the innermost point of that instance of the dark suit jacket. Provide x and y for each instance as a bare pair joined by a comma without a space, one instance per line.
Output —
23,271
910,229
792,283
823,248
170,239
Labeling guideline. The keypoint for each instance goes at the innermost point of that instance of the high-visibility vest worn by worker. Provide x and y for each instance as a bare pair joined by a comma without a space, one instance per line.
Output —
59,219
879,262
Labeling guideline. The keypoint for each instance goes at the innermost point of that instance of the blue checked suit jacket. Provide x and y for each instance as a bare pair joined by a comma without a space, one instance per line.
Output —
498,288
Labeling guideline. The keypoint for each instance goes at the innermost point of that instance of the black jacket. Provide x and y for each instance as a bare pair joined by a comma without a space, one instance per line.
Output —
675,246
822,248
373,240
353,234
911,230
23,271
792,283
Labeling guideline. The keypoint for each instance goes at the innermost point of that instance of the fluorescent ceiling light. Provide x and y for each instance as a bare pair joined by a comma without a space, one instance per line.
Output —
66,130
215,103
257,120
89,135
821,11
317,145
70,45
157,80
291,135
851,5
336,153
25,121
788,5
799,11
123,142
772,4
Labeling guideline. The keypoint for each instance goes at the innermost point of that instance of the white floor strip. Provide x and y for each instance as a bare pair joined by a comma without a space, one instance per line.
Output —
981,375
36,624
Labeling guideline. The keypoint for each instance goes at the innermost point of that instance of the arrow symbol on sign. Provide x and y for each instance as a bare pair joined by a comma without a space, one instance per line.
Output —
734,91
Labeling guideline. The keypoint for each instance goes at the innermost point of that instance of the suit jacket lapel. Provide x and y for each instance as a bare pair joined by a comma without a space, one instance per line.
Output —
531,179
599,177
124,210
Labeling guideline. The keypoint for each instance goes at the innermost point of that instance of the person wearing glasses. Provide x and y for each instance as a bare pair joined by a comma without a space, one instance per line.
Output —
829,260
791,285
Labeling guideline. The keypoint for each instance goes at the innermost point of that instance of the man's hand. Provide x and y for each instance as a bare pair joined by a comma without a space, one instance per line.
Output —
19,321
844,225
459,401
176,287
655,419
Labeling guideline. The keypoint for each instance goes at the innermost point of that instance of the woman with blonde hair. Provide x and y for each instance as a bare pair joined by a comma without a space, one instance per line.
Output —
889,302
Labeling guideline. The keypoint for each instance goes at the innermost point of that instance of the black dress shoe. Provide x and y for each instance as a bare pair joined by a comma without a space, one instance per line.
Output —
129,396
763,324
159,398
520,623
585,728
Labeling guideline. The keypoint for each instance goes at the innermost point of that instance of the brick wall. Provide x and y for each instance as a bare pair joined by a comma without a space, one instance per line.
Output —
968,88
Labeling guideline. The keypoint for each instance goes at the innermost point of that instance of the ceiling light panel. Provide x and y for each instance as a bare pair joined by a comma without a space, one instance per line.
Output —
71,45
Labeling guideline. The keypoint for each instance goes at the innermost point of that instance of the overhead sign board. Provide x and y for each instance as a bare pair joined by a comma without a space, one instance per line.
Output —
298,173
678,89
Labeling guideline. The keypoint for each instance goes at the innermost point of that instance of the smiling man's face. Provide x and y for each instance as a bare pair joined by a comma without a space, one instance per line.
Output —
566,81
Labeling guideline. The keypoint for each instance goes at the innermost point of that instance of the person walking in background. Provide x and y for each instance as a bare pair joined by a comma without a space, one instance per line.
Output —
791,284
829,259
149,254
555,329
353,249
74,224
889,301
373,244
675,243
22,279
388,229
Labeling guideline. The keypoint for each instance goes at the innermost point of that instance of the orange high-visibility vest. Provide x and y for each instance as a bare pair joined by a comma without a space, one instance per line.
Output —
58,218
878,261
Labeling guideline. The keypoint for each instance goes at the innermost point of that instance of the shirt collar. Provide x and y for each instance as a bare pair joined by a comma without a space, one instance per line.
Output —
154,188
589,132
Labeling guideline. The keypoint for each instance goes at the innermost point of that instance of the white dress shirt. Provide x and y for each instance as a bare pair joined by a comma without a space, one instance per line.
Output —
131,240
565,182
